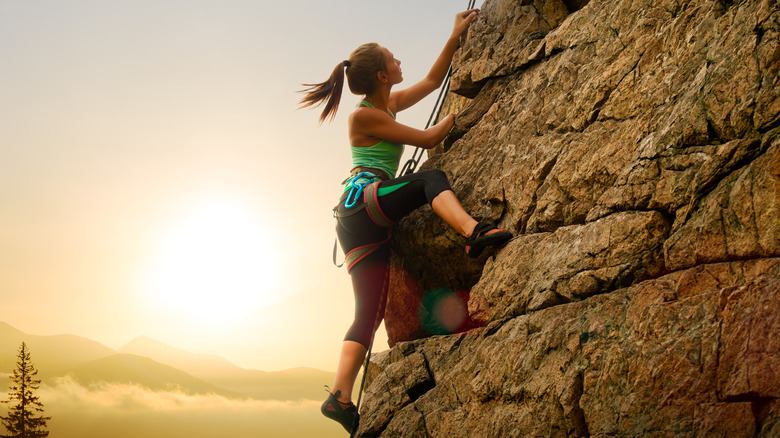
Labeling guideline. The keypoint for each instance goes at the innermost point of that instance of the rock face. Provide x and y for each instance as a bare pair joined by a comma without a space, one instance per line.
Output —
633,147
691,353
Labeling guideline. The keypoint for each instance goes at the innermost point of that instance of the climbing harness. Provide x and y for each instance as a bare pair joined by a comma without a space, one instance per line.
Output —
365,185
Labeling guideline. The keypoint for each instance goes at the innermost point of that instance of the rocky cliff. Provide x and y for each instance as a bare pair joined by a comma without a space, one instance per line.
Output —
633,148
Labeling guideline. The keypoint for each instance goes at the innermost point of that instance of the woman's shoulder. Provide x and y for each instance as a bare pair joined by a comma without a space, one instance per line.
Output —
361,114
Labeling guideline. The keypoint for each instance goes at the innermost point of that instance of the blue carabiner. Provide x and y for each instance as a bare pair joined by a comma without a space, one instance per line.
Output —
354,200
357,188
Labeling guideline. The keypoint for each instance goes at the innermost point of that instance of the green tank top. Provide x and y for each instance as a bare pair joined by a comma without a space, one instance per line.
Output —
384,155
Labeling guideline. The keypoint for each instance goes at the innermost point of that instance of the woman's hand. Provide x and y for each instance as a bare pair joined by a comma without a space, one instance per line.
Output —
441,130
462,21
447,123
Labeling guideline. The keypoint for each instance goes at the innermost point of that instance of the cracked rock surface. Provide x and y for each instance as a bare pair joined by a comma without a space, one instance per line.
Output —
633,148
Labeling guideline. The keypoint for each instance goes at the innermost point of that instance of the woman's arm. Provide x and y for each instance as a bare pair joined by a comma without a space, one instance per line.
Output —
370,123
402,99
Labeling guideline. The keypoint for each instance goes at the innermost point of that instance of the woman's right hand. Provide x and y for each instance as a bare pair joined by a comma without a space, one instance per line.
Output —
448,122
443,128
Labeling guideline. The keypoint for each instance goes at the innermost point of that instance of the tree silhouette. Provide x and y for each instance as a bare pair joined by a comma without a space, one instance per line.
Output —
21,420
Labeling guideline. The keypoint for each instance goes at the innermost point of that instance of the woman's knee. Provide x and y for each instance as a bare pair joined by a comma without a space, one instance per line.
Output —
363,329
436,182
434,175
361,338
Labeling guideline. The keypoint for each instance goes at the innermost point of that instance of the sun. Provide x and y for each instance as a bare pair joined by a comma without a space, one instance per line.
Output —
216,262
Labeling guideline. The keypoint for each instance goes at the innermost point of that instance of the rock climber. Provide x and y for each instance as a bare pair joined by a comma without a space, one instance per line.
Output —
374,198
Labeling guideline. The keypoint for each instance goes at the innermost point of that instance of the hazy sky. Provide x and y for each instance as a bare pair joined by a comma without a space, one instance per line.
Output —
156,178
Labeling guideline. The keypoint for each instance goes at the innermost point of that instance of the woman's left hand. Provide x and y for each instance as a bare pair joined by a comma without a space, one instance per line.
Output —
462,21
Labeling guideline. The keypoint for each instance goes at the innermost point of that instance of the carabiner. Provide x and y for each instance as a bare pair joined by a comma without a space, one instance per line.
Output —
357,188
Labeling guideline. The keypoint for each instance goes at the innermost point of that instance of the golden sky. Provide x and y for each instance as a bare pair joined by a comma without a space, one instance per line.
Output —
156,178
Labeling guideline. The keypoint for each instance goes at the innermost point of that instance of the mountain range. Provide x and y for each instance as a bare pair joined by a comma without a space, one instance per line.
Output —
154,365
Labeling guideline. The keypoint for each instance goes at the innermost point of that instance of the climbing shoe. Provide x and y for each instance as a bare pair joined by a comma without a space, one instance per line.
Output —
485,235
346,415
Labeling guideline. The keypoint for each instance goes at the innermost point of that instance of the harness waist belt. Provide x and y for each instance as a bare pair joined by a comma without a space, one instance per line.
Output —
372,170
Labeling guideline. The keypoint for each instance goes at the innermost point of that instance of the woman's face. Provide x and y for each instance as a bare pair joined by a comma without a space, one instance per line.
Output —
393,68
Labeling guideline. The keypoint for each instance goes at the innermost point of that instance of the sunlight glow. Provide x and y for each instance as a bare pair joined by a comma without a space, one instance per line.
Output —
216,263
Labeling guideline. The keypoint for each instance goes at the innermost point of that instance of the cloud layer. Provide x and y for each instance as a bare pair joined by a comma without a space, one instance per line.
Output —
131,411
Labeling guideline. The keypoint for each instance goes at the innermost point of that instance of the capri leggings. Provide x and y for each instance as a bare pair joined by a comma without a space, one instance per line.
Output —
397,198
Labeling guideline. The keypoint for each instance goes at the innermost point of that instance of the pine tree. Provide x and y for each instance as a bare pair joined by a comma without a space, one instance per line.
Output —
21,420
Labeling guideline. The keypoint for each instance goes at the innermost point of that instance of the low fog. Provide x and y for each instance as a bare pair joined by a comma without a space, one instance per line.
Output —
131,411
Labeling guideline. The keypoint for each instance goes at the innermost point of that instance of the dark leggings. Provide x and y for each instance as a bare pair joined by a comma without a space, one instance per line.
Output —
397,198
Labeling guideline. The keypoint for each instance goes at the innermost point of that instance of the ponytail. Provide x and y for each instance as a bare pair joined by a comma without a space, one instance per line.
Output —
328,92
361,70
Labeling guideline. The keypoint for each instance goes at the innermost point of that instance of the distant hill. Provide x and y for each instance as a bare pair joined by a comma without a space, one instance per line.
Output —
142,371
193,363
52,355
293,384
154,365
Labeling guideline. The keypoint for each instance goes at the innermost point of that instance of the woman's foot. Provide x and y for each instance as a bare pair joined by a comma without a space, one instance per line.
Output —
344,413
485,235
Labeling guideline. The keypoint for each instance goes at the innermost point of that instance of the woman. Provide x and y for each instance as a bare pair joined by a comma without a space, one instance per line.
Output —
374,199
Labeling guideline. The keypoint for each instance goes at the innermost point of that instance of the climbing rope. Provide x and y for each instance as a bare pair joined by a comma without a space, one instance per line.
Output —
411,164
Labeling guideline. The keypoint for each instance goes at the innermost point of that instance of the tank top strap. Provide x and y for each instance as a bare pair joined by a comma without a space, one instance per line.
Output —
366,103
